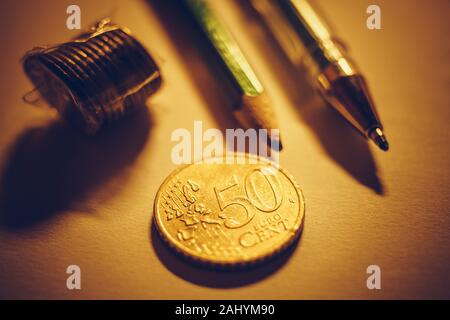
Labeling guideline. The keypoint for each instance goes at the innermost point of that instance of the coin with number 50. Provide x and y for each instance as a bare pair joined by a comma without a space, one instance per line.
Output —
229,211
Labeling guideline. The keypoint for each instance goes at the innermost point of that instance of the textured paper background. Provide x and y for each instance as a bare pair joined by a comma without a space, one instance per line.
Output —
71,200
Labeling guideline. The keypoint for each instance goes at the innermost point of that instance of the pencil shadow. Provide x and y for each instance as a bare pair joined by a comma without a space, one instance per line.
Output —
50,169
188,43
213,277
339,140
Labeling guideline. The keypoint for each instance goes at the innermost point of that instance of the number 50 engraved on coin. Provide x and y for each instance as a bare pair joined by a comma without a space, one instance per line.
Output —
229,214
253,197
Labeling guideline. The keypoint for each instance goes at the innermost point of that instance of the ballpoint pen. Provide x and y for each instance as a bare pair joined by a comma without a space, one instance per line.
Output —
253,108
296,25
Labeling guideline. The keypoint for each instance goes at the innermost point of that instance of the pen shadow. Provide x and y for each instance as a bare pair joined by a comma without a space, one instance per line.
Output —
51,168
213,277
343,144
186,39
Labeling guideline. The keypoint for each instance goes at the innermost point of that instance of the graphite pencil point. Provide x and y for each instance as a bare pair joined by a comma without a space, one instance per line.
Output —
379,138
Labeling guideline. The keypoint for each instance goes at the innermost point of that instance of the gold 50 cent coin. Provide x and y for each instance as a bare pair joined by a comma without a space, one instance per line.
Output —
229,214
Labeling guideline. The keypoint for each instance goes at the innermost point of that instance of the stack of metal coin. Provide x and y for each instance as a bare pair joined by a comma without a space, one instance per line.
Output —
96,79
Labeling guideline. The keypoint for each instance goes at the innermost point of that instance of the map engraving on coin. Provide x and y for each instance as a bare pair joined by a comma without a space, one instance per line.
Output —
229,214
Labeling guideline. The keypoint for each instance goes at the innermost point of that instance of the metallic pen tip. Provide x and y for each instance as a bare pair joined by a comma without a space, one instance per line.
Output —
379,138
384,145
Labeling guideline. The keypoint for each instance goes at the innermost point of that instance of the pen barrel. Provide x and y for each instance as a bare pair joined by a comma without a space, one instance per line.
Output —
225,54
306,38
308,42
321,49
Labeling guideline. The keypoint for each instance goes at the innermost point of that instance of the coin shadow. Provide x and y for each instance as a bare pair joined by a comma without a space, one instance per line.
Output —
212,277
188,43
338,139
50,169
